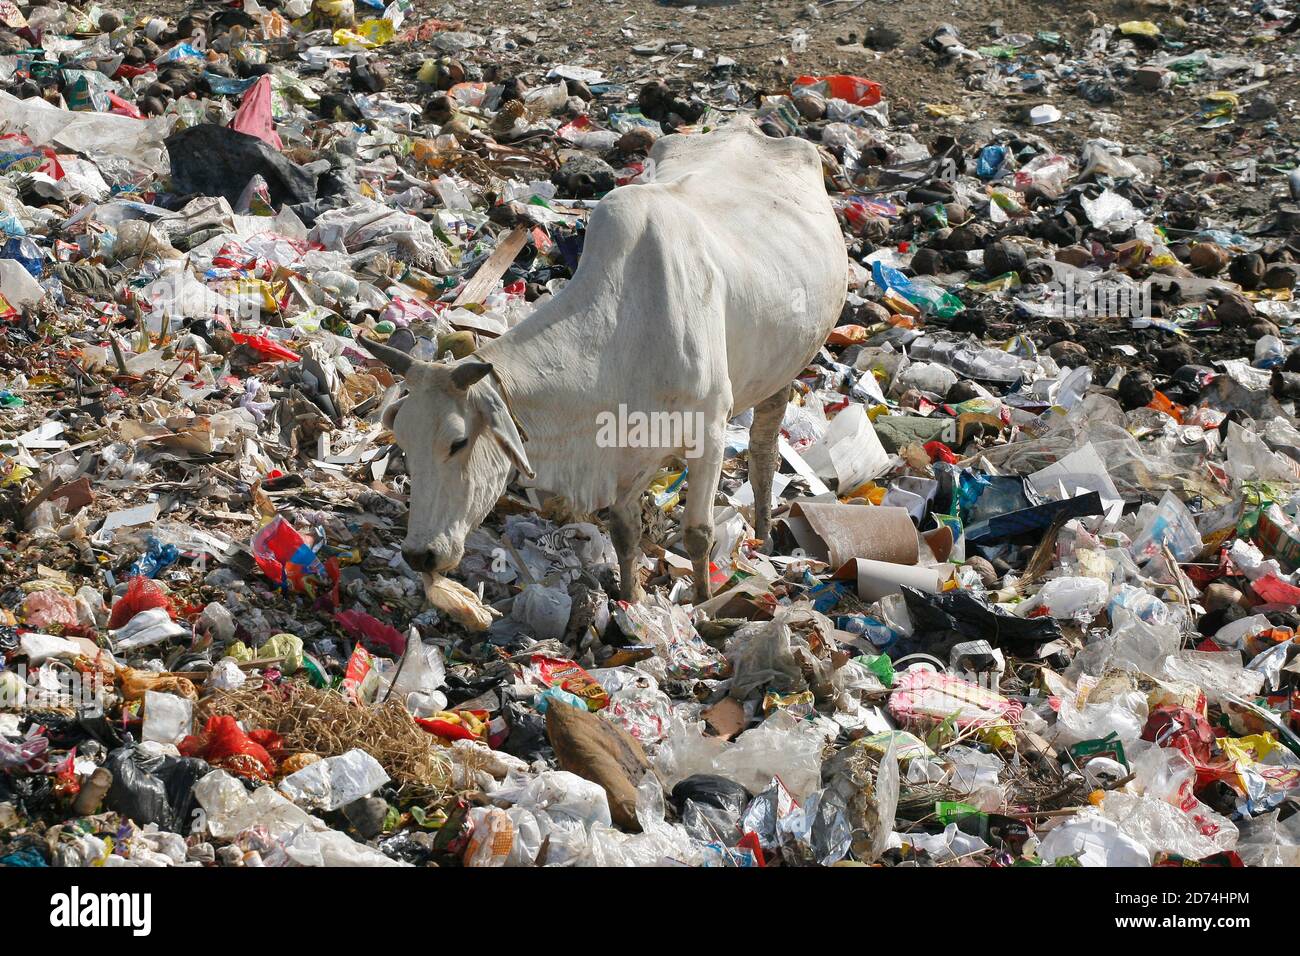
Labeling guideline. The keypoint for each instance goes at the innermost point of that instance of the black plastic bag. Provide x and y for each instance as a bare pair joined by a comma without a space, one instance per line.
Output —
961,614
216,161
148,788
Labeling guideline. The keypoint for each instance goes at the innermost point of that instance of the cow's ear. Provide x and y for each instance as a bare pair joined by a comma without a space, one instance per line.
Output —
390,413
503,430
467,373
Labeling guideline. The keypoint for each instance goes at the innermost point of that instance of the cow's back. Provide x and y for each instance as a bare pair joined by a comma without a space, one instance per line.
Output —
761,216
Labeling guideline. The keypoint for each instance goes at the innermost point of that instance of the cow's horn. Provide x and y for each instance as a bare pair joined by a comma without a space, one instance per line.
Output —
396,360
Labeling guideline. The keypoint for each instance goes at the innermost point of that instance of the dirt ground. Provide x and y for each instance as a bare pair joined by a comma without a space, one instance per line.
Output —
757,35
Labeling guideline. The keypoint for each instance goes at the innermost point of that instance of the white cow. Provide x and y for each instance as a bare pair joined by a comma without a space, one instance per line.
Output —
700,295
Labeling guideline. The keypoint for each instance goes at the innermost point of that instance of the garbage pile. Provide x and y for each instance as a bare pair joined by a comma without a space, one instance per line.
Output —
1030,599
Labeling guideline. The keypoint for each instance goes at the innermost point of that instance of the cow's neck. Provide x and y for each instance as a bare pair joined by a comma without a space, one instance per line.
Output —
545,368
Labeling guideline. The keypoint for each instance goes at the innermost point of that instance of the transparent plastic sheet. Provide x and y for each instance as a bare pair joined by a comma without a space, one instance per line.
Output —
1070,598
1172,526
975,775
1219,674
942,847
1135,471
761,655
1133,645
229,809
334,782
780,746
562,795
886,794
1159,826
1266,841
1124,715
1166,774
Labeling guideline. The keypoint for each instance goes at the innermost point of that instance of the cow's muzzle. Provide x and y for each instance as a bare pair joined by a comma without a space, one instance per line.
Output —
432,558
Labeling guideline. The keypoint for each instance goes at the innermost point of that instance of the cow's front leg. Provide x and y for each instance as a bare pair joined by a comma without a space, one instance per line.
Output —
625,529
697,536
764,456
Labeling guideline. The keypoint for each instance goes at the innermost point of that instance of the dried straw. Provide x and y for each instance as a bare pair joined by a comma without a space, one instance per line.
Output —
326,723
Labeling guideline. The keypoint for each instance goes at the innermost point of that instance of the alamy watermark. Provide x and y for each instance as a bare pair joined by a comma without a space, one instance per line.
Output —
659,429
76,909
52,687
1101,298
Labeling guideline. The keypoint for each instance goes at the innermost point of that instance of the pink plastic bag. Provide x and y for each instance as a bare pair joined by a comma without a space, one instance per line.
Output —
41,609
254,114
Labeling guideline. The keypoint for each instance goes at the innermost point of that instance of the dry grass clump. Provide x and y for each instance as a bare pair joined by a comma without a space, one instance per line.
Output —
326,723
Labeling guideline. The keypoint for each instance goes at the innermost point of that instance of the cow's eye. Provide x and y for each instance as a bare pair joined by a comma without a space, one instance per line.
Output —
458,444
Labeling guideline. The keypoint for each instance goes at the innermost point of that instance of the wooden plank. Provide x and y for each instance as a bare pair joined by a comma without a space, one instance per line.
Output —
485,279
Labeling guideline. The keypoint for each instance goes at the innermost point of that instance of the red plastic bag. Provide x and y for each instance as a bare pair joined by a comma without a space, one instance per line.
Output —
372,631
855,89
223,745
938,451
267,347
142,594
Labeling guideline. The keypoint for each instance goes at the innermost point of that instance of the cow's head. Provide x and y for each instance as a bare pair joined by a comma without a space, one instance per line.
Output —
460,443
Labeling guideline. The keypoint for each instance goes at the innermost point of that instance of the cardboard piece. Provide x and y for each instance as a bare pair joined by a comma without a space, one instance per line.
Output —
837,533
726,718
878,578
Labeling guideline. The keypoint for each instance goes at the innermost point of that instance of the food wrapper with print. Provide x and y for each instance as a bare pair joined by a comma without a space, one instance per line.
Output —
569,676
292,561
668,629
924,699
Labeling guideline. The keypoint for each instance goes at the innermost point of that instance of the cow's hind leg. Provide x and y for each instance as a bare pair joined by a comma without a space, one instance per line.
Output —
625,529
764,456
702,486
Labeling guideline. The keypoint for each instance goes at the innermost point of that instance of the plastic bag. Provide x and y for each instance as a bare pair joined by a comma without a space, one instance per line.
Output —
761,656
458,602
1124,715
1158,826
334,782
1171,524
1071,598
224,745
562,795
668,629
544,610
491,839
780,746
142,594
167,717
1093,840
372,631
41,609
151,789
145,628
644,712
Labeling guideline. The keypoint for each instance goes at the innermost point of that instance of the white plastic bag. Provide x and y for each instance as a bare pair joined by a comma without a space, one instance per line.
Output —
335,781
1094,841
167,718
